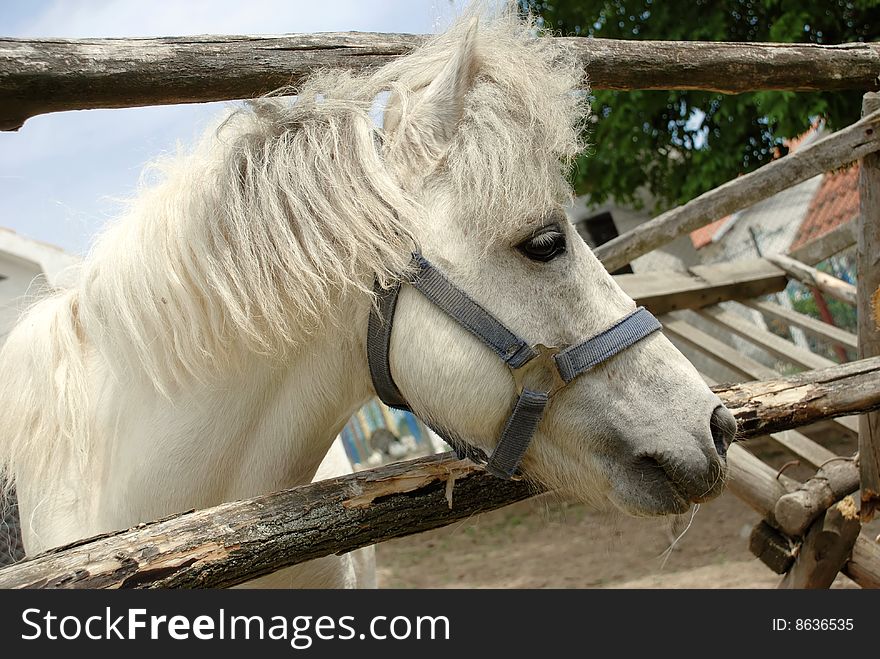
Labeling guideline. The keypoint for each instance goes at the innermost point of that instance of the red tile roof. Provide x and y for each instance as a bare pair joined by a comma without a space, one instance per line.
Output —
836,202
703,236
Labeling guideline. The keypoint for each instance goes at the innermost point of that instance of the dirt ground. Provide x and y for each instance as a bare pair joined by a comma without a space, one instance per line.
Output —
546,543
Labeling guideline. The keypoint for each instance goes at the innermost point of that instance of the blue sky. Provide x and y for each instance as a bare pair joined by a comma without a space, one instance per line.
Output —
62,175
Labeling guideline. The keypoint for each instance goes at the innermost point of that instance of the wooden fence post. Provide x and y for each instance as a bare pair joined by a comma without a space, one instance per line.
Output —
868,281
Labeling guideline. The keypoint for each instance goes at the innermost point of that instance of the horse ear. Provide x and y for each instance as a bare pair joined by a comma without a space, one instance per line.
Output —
420,128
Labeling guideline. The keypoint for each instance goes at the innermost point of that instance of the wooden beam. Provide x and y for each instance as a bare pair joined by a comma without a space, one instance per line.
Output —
797,510
775,345
831,152
868,278
850,388
799,445
828,284
234,542
760,486
661,292
864,566
806,323
826,548
53,75
773,549
827,245
238,541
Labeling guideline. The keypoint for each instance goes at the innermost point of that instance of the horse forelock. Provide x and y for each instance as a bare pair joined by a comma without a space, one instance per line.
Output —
522,128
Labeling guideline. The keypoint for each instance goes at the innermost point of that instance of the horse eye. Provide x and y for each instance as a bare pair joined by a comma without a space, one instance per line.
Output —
544,246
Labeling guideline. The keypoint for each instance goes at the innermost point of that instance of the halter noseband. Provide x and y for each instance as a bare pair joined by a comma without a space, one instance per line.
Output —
538,371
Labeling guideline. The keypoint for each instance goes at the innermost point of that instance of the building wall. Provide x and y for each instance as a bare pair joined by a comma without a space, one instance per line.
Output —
768,227
20,279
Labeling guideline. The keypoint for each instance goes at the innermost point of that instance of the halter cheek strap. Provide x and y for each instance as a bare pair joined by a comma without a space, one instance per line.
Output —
538,371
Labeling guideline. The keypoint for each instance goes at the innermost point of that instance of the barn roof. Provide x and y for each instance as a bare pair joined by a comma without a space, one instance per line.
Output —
835,203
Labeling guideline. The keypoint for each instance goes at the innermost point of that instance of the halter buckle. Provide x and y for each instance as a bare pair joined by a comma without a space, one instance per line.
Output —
540,373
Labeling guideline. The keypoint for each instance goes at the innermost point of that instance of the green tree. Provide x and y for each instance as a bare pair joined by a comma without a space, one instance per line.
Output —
678,144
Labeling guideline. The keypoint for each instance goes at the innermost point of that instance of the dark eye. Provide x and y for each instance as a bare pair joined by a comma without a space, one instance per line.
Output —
545,245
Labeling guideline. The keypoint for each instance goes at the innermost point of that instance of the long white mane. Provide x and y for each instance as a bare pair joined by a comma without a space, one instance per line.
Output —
240,248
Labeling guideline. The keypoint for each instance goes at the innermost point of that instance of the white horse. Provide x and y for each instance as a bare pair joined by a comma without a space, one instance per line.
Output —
214,344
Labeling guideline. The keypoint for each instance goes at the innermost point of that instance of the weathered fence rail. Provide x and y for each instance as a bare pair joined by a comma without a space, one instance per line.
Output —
238,541
51,75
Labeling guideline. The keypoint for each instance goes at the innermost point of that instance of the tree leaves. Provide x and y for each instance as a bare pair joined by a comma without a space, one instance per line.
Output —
678,144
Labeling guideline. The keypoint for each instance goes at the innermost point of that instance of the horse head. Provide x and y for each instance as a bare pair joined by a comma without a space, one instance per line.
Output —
480,141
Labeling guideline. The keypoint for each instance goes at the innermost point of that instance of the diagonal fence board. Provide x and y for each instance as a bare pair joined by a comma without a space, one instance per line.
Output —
827,245
717,349
238,541
749,369
775,345
811,325
810,276
831,152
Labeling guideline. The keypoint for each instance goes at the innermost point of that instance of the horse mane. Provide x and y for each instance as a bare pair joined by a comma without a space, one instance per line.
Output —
245,245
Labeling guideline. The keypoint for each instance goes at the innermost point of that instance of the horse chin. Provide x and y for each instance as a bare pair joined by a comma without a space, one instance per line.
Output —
655,502
643,490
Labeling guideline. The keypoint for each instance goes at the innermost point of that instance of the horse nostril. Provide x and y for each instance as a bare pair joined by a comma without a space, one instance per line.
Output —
723,425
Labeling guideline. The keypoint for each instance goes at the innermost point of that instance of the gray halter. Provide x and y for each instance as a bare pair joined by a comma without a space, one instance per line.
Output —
538,371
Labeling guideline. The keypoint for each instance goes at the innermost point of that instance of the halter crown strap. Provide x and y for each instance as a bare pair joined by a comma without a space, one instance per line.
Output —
534,394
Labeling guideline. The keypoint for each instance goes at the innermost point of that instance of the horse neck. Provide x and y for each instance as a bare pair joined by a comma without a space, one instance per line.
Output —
265,427
296,411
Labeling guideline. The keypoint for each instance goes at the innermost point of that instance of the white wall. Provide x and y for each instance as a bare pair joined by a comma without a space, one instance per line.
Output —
19,278
28,268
